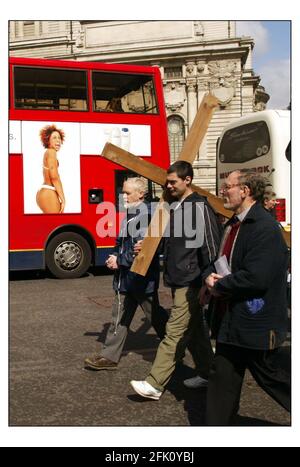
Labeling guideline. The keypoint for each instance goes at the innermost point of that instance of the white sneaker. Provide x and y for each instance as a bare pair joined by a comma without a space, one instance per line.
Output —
195,383
145,389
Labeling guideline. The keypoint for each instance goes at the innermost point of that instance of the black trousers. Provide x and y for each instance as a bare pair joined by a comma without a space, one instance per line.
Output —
271,369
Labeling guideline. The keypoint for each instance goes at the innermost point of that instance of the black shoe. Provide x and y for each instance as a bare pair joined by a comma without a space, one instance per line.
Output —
196,382
100,363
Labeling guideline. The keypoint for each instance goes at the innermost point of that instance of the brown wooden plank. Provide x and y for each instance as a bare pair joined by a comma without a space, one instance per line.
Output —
198,129
155,174
158,175
134,163
287,238
189,151
152,240
216,203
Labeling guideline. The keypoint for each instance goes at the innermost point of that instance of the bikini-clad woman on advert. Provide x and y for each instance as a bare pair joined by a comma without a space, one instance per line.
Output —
50,198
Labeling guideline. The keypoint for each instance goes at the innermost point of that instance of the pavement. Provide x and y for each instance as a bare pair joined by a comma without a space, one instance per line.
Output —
55,324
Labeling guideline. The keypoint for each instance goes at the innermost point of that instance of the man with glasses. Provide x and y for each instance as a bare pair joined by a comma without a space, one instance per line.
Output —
249,301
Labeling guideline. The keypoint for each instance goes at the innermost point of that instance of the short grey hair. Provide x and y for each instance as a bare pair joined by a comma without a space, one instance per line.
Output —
256,182
139,183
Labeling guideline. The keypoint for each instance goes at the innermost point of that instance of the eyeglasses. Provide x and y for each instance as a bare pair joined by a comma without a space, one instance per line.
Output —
228,187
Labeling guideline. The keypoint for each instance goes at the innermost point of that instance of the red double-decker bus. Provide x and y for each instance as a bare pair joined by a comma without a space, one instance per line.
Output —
87,104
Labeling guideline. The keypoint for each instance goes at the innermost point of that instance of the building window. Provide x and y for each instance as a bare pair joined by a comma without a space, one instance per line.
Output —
176,136
28,28
173,72
54,27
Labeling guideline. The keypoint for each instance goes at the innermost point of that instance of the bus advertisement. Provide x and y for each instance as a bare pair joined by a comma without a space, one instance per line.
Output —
61,115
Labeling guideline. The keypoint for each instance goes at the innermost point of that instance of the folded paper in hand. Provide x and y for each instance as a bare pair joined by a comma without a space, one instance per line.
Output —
222,266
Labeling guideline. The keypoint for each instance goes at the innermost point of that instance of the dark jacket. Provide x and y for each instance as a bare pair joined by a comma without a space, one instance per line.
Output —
125,280
183,264
256,315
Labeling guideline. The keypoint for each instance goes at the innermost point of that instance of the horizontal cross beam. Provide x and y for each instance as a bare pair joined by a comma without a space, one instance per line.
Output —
156,174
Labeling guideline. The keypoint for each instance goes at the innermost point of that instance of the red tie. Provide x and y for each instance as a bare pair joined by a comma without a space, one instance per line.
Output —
230,239
221,304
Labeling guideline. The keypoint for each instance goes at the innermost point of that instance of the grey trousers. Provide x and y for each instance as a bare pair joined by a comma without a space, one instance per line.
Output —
122,314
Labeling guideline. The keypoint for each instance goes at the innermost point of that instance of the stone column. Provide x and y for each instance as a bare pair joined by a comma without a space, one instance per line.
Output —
192,110
202,162
201,91
21,28
190,76
37,28
62,27
191,101
12,30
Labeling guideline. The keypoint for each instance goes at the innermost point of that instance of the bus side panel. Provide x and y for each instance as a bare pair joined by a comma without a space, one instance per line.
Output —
22,255
99,174
26,260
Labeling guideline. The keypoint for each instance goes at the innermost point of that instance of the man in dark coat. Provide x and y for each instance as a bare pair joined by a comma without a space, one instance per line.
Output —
131,290
250,302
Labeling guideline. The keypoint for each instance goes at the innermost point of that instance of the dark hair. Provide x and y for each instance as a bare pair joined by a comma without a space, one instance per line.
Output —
46,133
256,182
269,194
182,169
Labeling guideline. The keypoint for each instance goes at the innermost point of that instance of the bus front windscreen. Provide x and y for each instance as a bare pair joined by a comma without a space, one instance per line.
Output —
244,143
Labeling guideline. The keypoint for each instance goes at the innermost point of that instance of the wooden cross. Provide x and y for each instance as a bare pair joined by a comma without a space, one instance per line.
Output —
188,153
158,175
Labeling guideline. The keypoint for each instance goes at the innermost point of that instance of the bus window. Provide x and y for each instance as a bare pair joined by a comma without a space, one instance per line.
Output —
120,177
50,89
244,143
117,92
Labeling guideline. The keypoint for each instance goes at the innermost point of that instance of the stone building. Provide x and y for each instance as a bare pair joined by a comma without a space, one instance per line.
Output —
194,57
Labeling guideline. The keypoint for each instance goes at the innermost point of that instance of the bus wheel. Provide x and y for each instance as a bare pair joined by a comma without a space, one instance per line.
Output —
68,255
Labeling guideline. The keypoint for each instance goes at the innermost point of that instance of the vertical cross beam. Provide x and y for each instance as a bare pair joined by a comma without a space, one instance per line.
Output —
161,216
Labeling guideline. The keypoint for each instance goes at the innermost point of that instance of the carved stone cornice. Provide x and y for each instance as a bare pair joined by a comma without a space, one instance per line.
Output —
80,39
191,85
222,80
199,30
200,68
260,98
175,96
202,85
190,69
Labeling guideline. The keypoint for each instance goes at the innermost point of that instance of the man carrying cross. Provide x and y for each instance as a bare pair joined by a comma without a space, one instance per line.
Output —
191,243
